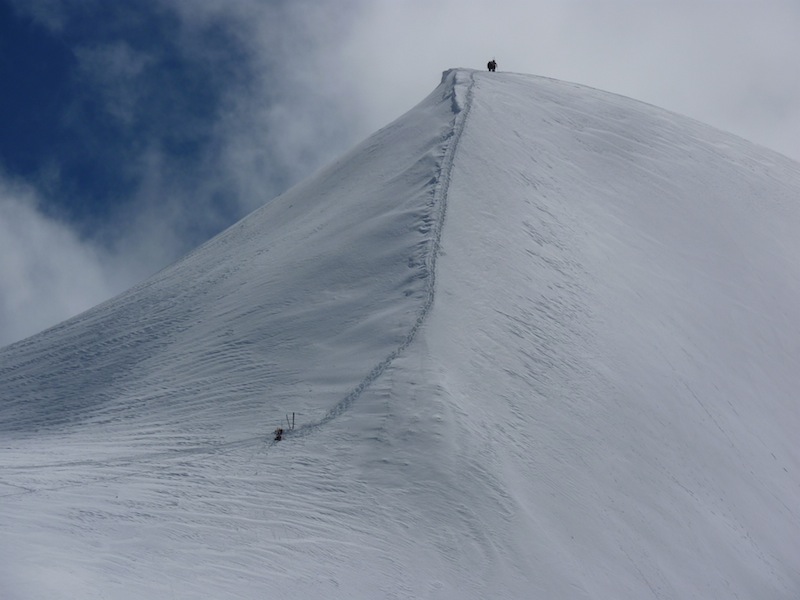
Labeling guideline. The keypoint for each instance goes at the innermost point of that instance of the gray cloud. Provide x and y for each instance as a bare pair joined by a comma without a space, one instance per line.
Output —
730,64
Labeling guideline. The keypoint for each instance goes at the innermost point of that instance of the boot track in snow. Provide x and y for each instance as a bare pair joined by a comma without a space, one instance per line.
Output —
438,206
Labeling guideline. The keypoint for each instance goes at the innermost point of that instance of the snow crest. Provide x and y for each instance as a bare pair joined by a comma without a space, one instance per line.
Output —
460,85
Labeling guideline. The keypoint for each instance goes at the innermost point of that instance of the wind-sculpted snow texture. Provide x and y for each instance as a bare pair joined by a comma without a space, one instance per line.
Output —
540,341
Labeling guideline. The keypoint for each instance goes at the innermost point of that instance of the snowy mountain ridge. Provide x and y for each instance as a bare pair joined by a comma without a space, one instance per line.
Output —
540,340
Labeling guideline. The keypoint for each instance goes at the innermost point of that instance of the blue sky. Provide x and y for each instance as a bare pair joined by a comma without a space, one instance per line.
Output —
132,131
83,102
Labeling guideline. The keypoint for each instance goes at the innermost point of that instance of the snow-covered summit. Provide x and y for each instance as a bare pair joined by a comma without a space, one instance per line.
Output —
539,340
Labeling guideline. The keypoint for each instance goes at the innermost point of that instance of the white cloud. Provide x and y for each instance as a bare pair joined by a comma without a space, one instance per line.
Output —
47,272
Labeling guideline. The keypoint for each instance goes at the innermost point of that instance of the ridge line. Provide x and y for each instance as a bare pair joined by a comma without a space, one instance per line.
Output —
439,204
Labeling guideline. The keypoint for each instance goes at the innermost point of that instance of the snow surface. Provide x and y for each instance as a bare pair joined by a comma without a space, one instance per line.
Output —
541,341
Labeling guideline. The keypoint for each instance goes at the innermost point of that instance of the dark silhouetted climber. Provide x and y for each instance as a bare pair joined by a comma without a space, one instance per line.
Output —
492,65
279,434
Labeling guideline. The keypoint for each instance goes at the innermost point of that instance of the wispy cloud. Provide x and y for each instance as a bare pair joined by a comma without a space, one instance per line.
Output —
115,70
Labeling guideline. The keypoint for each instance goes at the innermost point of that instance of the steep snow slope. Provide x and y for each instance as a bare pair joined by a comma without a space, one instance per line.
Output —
630,360
541,342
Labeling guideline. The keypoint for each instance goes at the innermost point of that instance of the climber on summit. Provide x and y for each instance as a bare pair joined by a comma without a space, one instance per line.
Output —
492,65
